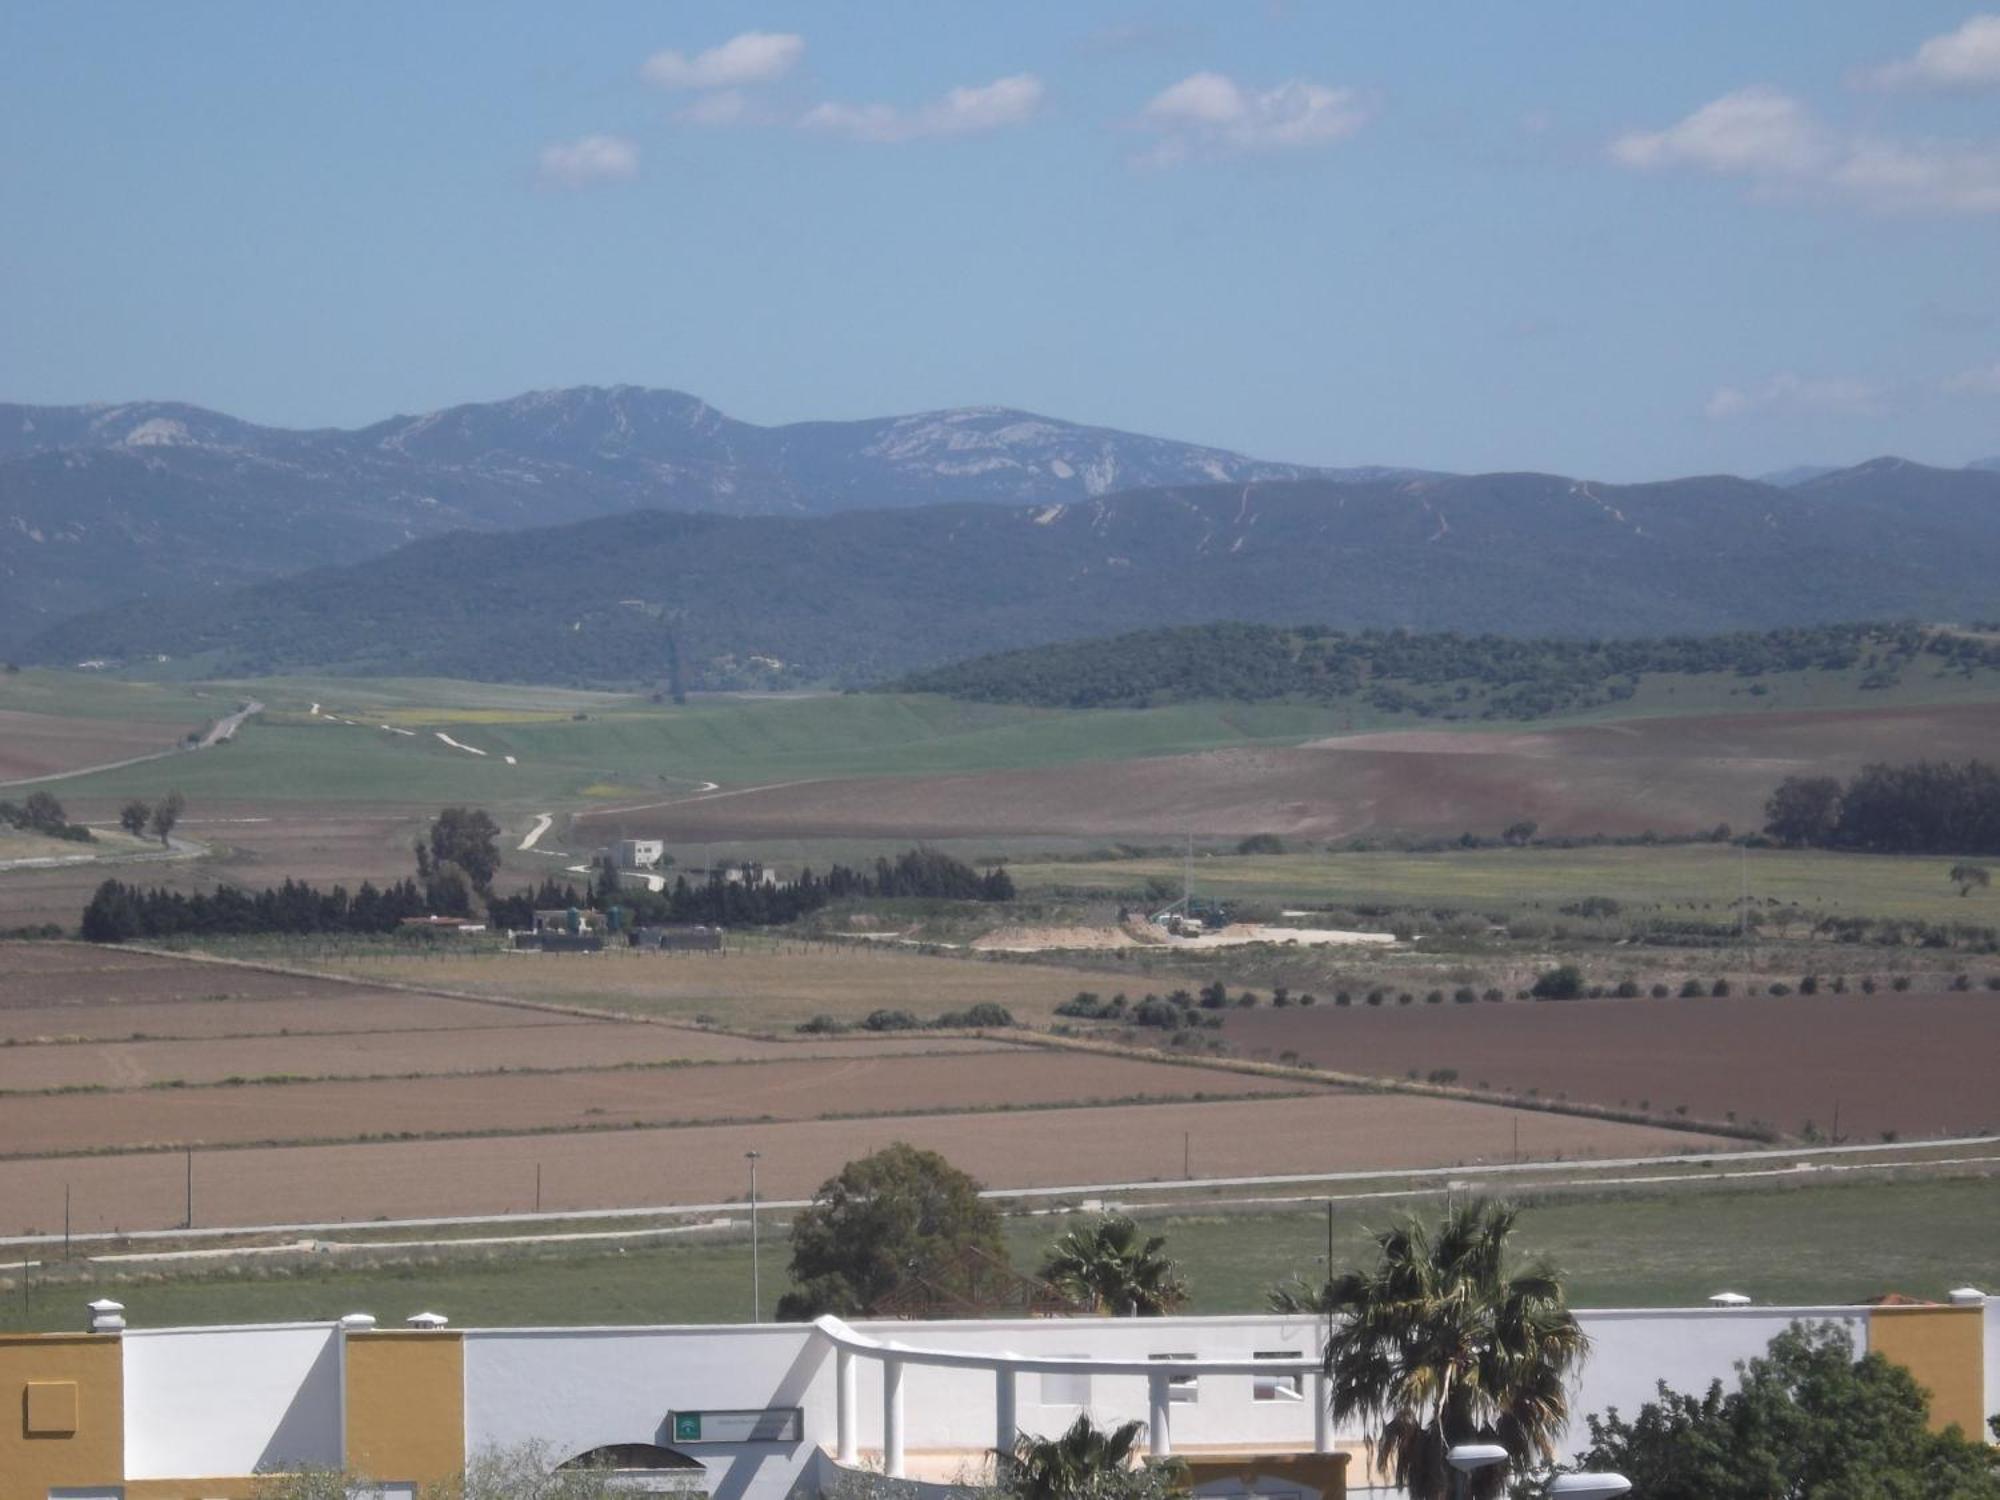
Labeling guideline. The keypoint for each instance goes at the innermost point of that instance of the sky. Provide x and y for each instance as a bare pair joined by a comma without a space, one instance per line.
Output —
1622,241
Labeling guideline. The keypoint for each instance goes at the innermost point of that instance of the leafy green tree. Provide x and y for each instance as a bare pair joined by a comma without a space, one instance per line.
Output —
1109,1265
1089,1463
1444,1341
1807,1421
1969,877
901,1212
166,815
469,838
1520,833
134,816
1804,810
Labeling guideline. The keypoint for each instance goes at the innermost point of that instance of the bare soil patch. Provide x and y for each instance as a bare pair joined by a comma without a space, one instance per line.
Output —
443,1103
1327,1132
33,744
1668,774
1914,1063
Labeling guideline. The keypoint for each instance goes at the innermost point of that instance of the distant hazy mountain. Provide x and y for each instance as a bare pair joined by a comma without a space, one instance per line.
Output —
863,595
1985,463
101,503
1784,479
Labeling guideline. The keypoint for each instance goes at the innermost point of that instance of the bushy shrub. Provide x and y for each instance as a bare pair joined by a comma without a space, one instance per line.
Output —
1627,990
1720,989
1660,991
1780,989
890,1020
1494,996
1464,995
1564,982
824,1025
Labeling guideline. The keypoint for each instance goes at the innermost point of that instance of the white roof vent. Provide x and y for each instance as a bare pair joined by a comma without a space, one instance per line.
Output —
358,1322
427,1320
1729,1299
1967,1296
106,1316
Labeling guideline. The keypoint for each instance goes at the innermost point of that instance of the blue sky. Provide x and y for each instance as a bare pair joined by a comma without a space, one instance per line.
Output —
1619,240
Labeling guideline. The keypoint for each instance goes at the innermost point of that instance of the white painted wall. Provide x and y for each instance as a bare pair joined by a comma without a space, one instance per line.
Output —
1632,1351
203,1402
577,1389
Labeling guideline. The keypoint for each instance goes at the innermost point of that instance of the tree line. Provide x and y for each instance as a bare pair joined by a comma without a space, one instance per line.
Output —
119,912
1923,807
1445,674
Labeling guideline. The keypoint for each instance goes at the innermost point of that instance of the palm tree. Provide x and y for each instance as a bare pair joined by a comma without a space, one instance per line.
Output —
1088,1463
1445,1342
1108,1265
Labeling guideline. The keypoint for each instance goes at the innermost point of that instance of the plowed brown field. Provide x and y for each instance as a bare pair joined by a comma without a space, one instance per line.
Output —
1327,1132
391,1053
444,1104
1918,1064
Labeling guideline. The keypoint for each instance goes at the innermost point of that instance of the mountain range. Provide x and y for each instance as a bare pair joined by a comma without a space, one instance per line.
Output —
160,500
858,596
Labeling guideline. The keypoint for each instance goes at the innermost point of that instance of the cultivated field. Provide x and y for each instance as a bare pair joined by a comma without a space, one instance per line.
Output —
114,1063
1685,880
1669,774
1916,1063
771,987
1326,1132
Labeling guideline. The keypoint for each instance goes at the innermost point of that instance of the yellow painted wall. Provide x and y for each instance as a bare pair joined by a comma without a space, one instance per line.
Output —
243,1487
406,1405
93,1454
1944,1347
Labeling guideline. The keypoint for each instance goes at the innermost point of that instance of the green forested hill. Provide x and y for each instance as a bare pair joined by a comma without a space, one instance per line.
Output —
1443,675
864,596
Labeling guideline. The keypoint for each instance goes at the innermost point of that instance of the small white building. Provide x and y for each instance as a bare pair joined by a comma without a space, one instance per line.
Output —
639,854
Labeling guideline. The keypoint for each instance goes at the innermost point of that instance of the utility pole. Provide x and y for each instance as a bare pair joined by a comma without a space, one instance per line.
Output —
756,1283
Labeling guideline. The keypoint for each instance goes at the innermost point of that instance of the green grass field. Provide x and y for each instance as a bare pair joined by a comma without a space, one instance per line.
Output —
626,747
1703,876
1808,1244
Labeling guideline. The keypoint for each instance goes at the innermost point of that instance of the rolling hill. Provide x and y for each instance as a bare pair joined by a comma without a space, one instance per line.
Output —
100,504
860,596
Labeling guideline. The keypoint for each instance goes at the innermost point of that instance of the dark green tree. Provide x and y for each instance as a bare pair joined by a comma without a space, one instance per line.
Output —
1969,878
166,815
469,838
1110,1265
899,1213
1443,1341
1804,810
134,816
1807,1421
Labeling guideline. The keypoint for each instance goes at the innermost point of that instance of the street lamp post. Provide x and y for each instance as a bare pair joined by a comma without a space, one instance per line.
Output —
756,1283
1590,1486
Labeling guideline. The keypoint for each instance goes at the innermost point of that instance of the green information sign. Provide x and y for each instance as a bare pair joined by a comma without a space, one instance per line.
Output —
687,1426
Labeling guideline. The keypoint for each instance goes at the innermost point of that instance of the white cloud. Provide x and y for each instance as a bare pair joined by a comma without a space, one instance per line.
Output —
587,160
1210,114
1984,381
963,111
722,107
1796,394
1966,58
1932,176
752,57
1774,141
1755,130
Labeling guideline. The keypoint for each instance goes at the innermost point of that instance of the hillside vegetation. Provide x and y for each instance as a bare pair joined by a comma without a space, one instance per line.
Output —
852,599
1447,675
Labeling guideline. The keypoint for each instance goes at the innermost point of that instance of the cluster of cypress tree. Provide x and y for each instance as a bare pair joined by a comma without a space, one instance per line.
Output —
1925,807
118,912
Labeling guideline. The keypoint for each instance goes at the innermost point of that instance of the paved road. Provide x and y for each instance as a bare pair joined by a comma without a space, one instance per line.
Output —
222,729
